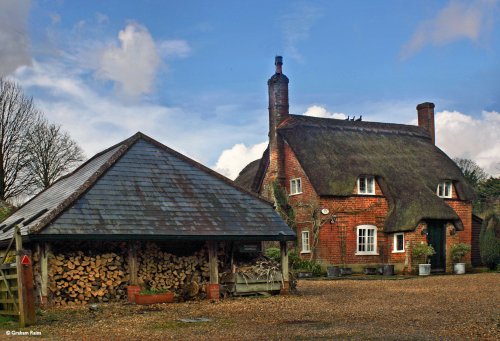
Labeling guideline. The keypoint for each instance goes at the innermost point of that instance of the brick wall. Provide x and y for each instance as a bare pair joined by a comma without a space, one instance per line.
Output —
351,212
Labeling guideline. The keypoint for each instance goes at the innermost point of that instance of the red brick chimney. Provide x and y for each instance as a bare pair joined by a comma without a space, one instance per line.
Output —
426,118
278,112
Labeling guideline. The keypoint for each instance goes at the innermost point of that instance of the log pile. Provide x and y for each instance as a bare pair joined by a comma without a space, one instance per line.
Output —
181,274
79,278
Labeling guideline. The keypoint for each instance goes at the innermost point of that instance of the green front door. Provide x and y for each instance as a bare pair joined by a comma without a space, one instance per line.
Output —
436,238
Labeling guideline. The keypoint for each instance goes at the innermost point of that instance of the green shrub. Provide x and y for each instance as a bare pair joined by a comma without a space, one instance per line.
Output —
294,261
274,254
458,251
489,244
423,251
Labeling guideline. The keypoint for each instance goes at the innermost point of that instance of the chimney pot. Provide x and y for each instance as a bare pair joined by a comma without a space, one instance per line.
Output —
278,61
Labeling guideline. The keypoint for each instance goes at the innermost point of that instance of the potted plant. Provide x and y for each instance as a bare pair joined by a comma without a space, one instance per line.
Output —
153,296
458,252
344,270
423,251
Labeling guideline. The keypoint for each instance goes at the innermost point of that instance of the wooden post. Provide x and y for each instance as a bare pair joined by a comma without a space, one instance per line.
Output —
213,289
44,271
24,284
212,260
132,263
284,267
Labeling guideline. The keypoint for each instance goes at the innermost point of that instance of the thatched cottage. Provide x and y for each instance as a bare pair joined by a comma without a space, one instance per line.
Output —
363,193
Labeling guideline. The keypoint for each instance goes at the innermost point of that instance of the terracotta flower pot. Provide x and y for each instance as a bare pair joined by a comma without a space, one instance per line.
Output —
166,297
132,290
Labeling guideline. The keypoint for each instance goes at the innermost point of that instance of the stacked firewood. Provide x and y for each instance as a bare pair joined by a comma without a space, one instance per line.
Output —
182,274
79,278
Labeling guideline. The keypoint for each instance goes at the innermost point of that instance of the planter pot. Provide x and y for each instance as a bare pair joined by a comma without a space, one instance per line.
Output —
370,271
132,290
459,268
345,271
213,291
166,297
333,271
424,269
304,274
388,270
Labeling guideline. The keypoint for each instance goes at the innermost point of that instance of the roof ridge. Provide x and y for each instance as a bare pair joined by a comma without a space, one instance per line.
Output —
54,213
334,123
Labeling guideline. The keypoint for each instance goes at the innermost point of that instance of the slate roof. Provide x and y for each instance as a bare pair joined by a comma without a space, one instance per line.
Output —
140,188
408,167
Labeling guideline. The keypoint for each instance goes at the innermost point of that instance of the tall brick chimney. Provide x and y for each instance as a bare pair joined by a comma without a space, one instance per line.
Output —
278,112
426,118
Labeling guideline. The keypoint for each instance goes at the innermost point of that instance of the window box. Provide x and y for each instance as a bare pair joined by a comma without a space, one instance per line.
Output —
366,185
145,299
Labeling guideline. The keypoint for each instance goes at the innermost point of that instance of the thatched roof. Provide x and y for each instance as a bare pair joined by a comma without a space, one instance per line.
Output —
408,167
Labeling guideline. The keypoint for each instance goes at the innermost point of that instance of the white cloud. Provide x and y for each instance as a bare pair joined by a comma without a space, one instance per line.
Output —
317,111
15,44
464,136
233,160
97,121
296,25
133,64
174,48
458,20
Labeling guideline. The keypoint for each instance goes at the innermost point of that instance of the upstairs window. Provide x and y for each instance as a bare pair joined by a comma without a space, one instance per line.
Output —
444,189
399,243
366,240
295,186
366,185
305,242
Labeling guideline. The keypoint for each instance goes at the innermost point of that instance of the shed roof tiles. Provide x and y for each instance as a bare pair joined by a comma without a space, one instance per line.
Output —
140,188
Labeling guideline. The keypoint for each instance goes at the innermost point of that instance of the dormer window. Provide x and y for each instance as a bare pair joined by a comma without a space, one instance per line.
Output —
295,186
444,189
366,185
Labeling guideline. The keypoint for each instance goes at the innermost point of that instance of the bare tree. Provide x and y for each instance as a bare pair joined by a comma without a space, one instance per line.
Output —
472,171
52,153
18,117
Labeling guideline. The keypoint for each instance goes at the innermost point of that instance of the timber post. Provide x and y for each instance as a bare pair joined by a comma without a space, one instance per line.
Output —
25,286
284,267
133,287
213,289
44,250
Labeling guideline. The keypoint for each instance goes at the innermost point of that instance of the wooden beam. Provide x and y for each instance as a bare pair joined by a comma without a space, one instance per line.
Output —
44,271
212,261
132,263
284,261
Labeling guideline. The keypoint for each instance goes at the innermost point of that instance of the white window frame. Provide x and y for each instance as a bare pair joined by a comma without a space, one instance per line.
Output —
445,189
362,232
369,190
297,188
395,243
306,247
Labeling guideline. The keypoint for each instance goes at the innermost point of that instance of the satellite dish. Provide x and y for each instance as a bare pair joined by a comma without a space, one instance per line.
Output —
325,211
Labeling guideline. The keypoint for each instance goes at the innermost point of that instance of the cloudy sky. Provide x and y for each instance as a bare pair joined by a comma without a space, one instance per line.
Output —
193,74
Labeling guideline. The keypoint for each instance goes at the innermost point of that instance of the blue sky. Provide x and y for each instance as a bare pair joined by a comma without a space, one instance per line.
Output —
193,74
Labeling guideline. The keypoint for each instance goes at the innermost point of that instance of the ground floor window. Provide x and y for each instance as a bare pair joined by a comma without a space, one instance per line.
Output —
366,240
305,242
399,242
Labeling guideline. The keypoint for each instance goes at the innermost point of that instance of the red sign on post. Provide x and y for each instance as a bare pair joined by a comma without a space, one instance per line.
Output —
25,260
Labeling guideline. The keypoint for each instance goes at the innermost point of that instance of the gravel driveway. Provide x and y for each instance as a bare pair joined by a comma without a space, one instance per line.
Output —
444,307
